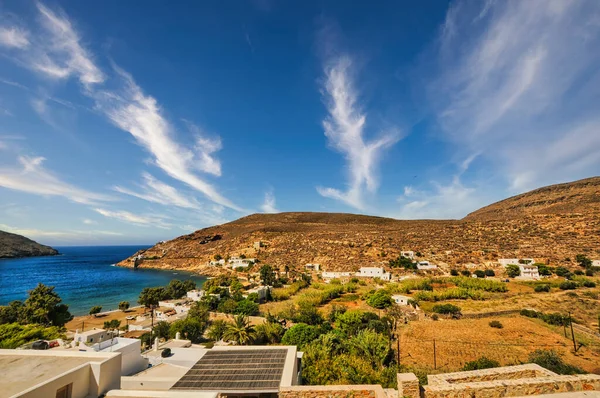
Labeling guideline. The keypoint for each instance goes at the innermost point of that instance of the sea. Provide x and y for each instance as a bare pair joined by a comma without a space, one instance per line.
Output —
84,276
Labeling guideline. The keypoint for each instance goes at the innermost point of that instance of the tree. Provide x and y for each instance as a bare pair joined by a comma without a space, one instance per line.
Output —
176,289
95,310
218,257
479,273
307,313
240,331
490,272
217,330
300,335
583,260
267,276
11,313
512,270
562,271
246,307
149,298
112,325
403,262
189,285
269,333
228,306
190,328
454,272
44,306
200,311
543,269
162,329
446,309
380,299
465,272
124,305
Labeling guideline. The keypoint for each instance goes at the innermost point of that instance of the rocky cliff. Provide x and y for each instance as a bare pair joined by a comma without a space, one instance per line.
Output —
551,224
15,246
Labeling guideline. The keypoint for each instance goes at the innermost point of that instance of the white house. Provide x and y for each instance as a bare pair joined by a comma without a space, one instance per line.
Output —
131,359
408,254
261,291
595,263
400,299
195,295
516,261
313,267
373,272
236,262
217,263
425,265
91,336
333,275
529,271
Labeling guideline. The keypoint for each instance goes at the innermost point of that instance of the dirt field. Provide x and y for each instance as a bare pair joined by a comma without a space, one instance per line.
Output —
460,341
88,322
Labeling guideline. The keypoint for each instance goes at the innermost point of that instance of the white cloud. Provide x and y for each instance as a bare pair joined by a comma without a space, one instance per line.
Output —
157,191
87,221
518,84
443,201
65,236
13,37
205,148
33,178
136,219
61,54
132,111
344,129
269,205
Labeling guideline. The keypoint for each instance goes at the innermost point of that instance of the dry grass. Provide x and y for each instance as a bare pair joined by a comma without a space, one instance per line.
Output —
91,321
460,341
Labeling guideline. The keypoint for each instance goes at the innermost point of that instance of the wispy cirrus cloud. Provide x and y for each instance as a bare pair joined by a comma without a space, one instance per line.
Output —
59,54
269,205
136,219
32,177
519,83
13,37
345,130
157,191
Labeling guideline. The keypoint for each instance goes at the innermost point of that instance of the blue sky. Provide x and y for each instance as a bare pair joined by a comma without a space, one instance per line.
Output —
133,122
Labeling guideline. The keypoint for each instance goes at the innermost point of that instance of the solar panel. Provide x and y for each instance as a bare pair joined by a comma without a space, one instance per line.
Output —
222,370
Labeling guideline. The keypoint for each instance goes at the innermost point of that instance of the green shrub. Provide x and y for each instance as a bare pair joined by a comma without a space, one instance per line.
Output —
552,361
435,317
568,285
446,309
13,335
300,335
454,272
496,324
479,273
542,288
490,272
512,270
380,299
480,284
562,271
465,272
481,363
589,284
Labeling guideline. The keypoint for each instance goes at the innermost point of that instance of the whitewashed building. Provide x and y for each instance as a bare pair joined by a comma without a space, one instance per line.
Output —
195,295
91,336
408,254
313,267
217,263
595,263
400,299
425,265
131,360
261,291
373,272
333,275
237,262
516,261
529,271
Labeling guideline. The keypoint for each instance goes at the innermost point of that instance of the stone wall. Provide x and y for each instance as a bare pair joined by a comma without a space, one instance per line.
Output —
505,373
346,391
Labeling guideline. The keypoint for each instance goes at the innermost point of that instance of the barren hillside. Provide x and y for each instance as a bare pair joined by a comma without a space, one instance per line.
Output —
549,224
14,246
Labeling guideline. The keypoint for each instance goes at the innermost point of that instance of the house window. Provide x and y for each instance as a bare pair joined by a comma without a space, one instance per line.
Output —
65,392
91,339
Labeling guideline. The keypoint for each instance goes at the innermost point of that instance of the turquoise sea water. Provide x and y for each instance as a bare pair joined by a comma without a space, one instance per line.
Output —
84,277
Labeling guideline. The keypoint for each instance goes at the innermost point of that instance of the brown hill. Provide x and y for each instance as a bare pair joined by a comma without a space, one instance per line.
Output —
549,224
581,196
14,246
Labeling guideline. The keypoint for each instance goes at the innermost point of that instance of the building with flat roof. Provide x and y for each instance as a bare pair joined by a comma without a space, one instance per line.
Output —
58,373
228,370
401,299
131,360
92,336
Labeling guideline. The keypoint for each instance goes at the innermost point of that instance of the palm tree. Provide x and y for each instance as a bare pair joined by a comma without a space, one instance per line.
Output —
240,331
269,332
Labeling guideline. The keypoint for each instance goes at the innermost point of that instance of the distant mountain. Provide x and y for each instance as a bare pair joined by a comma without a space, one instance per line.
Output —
15,246
550,224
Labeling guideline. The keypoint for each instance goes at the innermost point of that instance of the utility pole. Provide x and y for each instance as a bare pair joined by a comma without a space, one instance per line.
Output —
565,326
434,356
572,333
398,352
